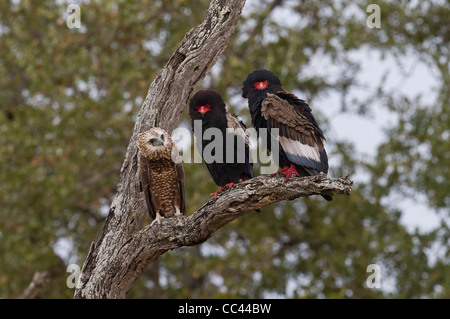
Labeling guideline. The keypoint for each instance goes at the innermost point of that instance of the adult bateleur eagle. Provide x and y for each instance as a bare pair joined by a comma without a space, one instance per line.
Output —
301,141
230,161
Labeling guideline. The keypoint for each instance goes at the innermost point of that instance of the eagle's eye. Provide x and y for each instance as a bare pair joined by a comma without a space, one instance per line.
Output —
202,109
261,85
156,141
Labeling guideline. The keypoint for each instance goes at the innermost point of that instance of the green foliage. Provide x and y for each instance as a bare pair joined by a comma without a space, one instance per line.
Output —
67,102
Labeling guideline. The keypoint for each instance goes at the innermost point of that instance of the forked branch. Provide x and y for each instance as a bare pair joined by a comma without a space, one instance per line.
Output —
125,246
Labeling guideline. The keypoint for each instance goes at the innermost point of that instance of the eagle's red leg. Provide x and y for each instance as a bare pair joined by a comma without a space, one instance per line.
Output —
216,193
282,170
290,171
229,185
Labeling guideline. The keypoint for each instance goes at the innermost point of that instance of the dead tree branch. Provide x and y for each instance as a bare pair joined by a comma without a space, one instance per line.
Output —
148,244
167,96
125,246
35,286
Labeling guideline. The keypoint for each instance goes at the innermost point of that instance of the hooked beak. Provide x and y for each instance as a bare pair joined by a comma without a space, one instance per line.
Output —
202,110
156,141
261,85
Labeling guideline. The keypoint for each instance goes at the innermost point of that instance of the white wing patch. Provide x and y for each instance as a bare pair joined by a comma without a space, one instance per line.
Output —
296,147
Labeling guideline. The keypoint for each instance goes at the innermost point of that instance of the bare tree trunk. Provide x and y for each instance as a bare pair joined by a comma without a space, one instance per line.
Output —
166,98
125,247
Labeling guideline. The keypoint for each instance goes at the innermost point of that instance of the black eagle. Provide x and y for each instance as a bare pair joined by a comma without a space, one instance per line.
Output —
300,138
227,168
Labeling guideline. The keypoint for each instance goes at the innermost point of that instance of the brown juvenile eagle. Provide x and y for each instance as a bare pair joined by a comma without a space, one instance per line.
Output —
161,174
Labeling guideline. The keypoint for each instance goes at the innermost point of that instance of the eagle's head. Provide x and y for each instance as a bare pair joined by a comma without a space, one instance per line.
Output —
206,104
260,81
155,143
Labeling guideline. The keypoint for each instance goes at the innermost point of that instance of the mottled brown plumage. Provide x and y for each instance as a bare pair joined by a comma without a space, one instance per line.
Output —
297,134
161,173
236,126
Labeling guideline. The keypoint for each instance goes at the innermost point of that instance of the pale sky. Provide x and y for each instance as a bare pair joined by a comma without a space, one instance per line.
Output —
365,133
410,78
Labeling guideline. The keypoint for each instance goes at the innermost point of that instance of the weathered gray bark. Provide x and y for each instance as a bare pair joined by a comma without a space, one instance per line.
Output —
147,244
125,247
166,98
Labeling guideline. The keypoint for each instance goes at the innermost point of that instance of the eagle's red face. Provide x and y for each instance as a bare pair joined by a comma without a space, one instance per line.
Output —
203,108
261,85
